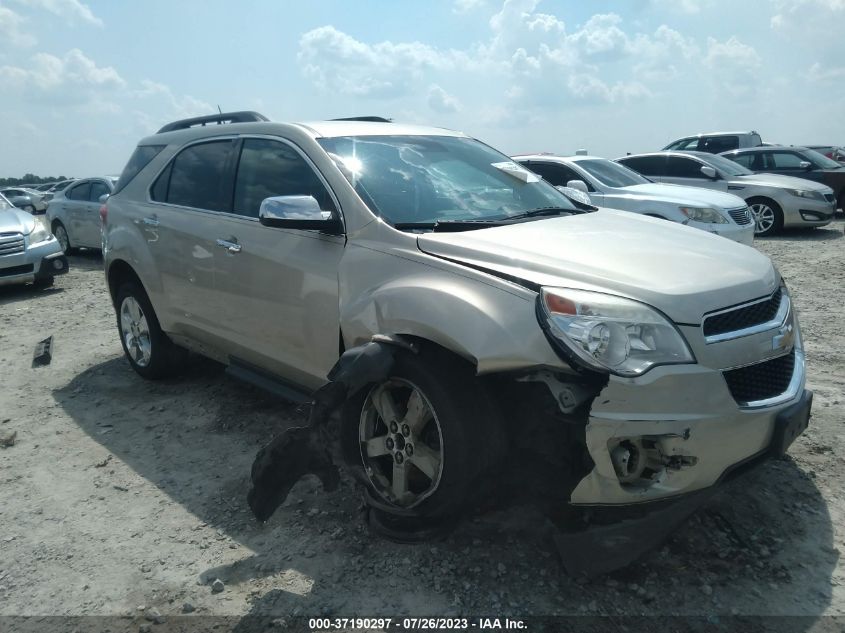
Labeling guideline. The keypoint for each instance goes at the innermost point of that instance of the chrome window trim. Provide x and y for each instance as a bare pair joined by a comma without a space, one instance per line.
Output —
777,321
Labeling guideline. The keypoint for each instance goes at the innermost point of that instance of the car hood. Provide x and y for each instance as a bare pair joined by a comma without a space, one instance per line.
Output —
682,271
14,221
681,195
777,180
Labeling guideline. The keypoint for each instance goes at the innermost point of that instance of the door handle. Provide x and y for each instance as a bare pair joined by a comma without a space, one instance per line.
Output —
151,221
231,247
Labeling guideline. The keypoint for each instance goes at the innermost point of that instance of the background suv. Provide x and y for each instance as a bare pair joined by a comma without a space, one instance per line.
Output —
716,142
794,161
609,184
775,201
74,213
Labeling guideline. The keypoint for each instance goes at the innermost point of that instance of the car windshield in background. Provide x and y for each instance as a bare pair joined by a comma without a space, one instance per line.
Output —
727,166
612,174
431,179
821,160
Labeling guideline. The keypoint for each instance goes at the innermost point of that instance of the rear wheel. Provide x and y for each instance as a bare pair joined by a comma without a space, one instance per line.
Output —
146,346
60,232
767,214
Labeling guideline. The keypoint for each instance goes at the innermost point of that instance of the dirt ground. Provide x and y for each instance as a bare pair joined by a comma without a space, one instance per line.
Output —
126,497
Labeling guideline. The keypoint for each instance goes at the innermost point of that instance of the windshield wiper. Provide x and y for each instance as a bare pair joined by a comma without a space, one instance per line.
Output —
448,226
533,213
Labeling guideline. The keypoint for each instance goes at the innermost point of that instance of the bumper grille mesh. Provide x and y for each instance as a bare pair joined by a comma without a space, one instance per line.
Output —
741,318
740,216
761,381
829,197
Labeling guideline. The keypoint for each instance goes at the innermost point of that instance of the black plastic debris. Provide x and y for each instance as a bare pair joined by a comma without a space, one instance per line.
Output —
43,352
304,450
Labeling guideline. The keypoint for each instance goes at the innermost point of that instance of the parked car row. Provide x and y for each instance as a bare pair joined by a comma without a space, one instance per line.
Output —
466,307
74,212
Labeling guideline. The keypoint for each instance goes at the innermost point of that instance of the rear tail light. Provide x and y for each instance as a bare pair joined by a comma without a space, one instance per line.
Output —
104,214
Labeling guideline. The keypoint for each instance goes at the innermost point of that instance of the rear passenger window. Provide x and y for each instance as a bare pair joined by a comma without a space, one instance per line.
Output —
646,165
555,174
684,168
270,168
142,155
746,160
717,144
198,177
80,192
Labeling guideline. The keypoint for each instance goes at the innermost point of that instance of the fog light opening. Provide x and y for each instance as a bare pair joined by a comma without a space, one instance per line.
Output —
58,264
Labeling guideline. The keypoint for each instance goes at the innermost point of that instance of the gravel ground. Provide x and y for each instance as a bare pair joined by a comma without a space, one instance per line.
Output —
125,497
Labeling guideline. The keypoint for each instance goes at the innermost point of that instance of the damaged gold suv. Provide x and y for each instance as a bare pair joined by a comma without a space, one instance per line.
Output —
474,320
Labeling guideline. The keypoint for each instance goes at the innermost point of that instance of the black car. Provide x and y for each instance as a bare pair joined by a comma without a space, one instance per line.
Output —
800,162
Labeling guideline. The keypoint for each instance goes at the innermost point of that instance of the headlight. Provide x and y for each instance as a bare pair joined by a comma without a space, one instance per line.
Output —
610,334
39,234
801,193
703,214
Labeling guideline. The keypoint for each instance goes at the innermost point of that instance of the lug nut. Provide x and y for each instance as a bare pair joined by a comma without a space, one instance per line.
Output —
399,458
394,427
389,443
406,430
409,448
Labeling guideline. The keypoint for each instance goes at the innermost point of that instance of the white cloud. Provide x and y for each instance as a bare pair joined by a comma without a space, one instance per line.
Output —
688,7
465,6
441,101
74,73
601,37
731,54
818,72
72,10
13,29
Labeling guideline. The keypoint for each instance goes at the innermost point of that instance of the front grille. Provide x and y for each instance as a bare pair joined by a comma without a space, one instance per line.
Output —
16,270
740,216
743,317
829,197
11,243
761,381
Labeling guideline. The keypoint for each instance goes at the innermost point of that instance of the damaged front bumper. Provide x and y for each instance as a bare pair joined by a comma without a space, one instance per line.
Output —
610,536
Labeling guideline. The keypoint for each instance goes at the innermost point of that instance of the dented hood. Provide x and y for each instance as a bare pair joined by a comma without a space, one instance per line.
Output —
682,271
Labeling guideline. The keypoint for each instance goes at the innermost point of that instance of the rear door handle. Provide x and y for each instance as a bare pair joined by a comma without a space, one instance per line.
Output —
231,247
151,221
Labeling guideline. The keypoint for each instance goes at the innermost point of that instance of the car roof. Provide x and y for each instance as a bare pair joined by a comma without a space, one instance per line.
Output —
574,158
693,153
734,133
315,129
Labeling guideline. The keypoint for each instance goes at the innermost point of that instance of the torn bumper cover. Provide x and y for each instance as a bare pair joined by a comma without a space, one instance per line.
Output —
638,475
300,451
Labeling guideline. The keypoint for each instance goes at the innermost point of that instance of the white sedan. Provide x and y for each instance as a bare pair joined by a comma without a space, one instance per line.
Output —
612,185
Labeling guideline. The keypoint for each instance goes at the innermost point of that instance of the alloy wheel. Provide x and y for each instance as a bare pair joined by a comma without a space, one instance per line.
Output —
401,443
135,332
764,217
61,235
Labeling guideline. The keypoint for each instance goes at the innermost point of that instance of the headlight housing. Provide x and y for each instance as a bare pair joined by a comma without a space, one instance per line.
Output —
703,214
803,193
607,333
39,234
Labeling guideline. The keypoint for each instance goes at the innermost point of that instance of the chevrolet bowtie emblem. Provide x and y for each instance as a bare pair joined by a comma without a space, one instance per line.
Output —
785,337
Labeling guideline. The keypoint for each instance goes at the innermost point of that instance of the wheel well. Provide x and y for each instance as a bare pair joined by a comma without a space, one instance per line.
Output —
765,200
430,347
119,272
55,223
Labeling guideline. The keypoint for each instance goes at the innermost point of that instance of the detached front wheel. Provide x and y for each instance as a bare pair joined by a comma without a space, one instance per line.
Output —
146,346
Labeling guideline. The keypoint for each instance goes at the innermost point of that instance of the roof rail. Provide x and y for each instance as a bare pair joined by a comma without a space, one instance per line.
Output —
216,119
372,119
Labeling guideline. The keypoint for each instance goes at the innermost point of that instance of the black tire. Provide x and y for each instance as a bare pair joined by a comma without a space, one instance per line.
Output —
766,224
160,358
64,242
471,441
44,282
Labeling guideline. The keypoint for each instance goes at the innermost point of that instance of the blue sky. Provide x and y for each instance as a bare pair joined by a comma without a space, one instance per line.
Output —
81,82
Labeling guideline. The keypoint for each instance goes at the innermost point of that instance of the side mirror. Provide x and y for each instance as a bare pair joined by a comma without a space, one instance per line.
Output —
103,198
806,165
579,198
708,171
580,185
297,212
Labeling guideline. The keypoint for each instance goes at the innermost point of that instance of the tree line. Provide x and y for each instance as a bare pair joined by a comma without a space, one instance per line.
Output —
30,179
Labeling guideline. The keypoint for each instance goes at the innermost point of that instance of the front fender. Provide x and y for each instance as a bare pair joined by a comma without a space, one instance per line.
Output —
490,322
